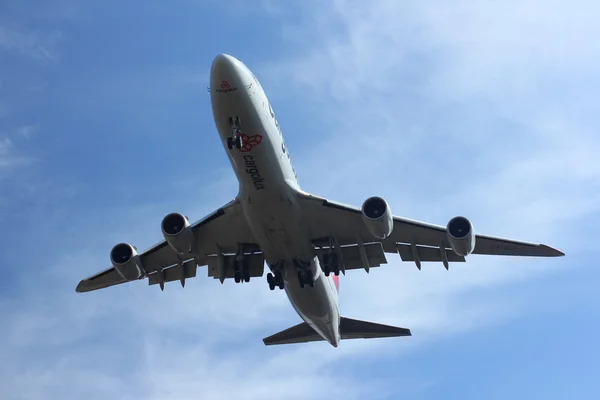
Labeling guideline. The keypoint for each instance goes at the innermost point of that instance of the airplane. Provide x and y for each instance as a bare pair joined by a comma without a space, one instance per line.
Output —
305,240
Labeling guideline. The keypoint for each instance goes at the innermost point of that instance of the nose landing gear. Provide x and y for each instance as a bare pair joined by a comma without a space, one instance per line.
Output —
235,140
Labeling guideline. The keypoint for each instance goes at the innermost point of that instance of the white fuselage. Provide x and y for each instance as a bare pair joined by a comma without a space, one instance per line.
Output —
268,191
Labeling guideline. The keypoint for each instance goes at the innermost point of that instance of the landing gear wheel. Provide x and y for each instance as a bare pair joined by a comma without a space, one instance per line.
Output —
271,281
278,280
237,276
246,274
235,141
331,264
306,278
275,280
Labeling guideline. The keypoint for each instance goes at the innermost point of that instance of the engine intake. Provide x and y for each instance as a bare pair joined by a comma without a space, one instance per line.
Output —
461,236
125,260
178,233
377,217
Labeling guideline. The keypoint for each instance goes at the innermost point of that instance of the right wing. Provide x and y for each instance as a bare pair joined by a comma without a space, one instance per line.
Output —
218,233
412,240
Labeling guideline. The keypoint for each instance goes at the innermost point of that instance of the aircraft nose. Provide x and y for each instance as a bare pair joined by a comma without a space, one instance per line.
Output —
223,64
225,74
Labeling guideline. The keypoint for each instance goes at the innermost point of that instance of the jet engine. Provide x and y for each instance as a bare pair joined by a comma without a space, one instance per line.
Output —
125,259
460,234
178,233
377,217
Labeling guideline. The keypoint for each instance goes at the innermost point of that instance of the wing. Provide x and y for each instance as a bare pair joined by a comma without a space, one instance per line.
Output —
218,234
412,240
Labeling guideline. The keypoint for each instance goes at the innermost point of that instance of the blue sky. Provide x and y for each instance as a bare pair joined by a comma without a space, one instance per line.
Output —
485,109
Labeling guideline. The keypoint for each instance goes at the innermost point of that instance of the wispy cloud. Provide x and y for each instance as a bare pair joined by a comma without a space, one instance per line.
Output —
30,43
10,157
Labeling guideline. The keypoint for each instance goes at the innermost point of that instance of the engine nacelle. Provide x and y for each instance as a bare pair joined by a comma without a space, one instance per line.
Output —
177,232
461,236
125,259
377,217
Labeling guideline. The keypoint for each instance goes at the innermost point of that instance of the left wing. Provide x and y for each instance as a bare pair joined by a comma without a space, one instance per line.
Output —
218,233
413,240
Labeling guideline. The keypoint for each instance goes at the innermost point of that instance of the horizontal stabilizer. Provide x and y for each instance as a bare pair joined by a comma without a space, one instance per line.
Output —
300,333
349,329
356,329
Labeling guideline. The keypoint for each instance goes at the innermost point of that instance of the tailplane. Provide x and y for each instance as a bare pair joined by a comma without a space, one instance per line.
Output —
349,329
357,329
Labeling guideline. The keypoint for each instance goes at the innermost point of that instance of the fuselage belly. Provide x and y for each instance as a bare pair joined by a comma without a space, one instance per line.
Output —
267,191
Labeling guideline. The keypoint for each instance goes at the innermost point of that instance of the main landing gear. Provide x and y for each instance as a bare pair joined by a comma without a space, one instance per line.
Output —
242,274
275,280
305,274
235,140
305,277
331,264
241,266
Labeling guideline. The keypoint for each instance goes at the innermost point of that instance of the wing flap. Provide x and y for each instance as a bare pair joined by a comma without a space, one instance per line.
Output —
351,254
426,254
181,271
256,265
375,256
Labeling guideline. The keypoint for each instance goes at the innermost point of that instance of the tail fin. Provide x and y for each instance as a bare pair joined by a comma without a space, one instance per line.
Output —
349,329
336,282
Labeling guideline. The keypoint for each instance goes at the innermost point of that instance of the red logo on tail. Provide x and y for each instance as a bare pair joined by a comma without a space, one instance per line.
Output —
224,85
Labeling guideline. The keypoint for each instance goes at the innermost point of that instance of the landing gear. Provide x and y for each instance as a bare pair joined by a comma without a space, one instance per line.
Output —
275,280
331,264
242,274
241,266
305,277
235,140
